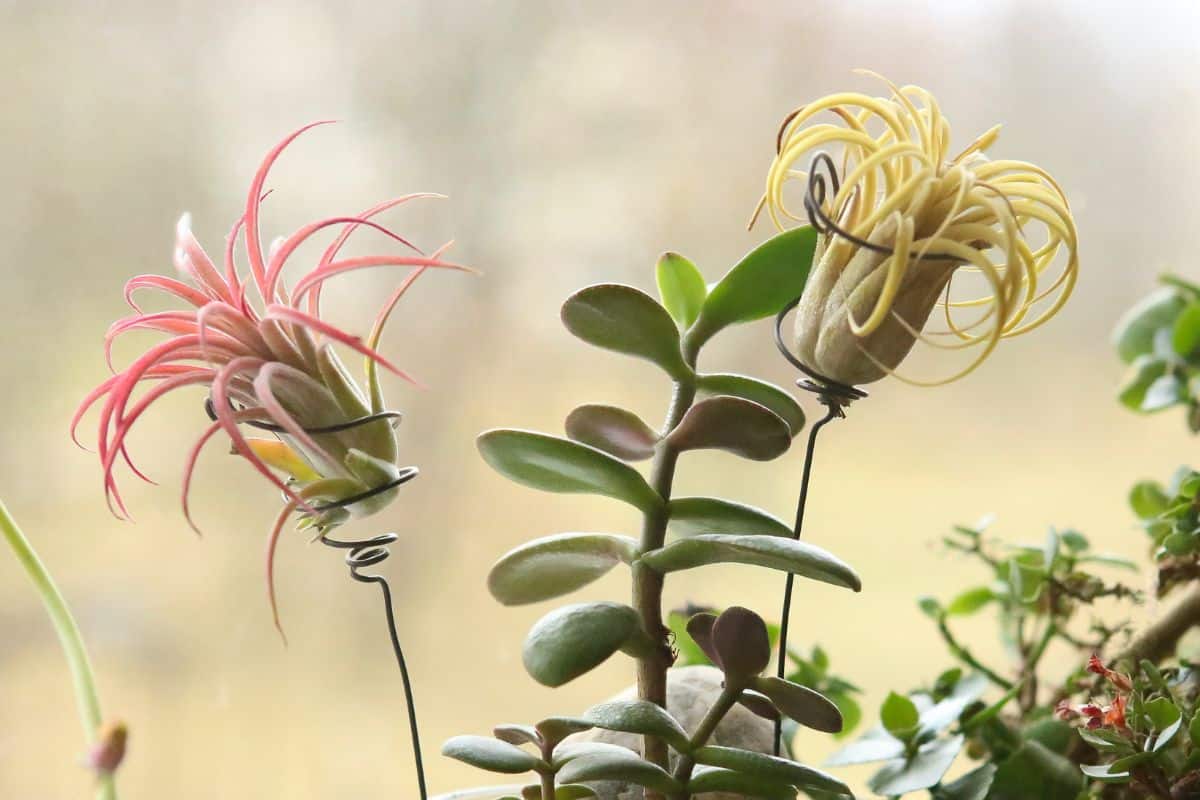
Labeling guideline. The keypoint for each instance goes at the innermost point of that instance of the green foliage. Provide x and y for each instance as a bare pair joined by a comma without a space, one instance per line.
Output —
774,552
626,320
556,565
1170,515
1160,339
758,286
560,465
735,413
574,639
681,287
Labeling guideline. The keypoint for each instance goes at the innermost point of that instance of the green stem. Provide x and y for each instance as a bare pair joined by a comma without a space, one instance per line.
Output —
725,701
68,636
648,584
964,655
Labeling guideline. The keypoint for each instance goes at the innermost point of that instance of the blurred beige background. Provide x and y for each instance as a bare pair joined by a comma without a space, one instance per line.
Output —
576,141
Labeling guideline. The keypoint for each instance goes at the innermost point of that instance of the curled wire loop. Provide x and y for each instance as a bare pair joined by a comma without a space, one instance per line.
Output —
831,392
364,553
822,176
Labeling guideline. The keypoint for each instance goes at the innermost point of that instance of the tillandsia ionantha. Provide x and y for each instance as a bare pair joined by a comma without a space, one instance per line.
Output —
267,357
906,217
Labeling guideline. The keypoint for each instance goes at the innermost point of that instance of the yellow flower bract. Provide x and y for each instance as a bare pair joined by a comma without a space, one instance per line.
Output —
902,188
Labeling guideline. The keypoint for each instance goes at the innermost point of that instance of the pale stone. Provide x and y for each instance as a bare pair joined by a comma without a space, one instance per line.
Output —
691,691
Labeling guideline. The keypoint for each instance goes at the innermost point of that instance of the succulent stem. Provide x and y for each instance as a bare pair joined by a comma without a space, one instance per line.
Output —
69,637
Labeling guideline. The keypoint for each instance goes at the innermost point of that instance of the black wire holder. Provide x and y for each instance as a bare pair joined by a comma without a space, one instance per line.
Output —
835,396
364,553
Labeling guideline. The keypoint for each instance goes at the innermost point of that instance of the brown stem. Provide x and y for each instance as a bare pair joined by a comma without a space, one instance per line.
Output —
1158,641
648,584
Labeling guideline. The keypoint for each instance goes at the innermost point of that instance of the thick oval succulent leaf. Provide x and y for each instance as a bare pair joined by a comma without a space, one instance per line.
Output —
690,516
811,709
639,716
975,785
768,767
575,791
874,745
921,771
490,754
611,766
761,392
714,779
774,552
572,640
627,320
759,704
556,565
737,426
518,734
614,430
554,729
740,638
700,628
480,793
768,278
1135,331
681,287
560,465
570,751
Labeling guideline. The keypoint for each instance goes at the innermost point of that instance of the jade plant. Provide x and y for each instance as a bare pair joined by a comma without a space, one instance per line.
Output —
743,416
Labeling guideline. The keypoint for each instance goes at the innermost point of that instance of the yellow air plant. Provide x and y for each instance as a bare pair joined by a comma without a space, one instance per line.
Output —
903,222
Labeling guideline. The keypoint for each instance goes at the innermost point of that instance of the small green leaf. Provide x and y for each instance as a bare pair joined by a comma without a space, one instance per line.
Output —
681,287
1179,543
972,786
697,515
773,552
734,425
626,320
1104,773
610,766
556,565
762,283
874,745
970,601
572,640
614,430
761,392
1168,733
1135,330
1033,771
1075,541
1185,334
490,754
923,770
559,465
639,716
711,781
809,708
1147,499
1165,392
899,716
768,767
518,734
480,793
569,751
1194,730
554,729
1162,712
1142,375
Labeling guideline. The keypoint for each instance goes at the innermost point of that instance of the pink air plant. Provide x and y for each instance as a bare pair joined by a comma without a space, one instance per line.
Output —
267,360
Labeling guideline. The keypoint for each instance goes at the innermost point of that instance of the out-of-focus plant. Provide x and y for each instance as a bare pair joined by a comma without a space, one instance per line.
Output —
1112,712
1160,340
